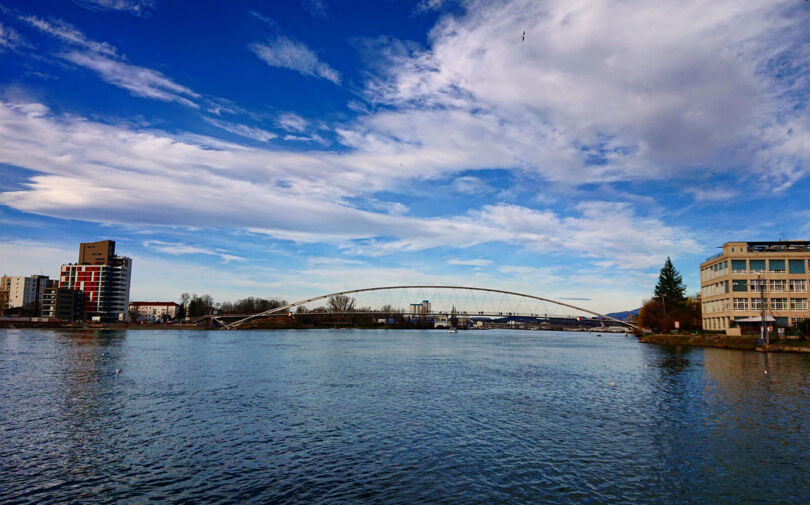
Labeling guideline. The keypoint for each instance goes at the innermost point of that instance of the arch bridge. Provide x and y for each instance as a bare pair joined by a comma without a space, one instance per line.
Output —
431,301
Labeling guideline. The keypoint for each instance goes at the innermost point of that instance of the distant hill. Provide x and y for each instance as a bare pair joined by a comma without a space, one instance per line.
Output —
624,316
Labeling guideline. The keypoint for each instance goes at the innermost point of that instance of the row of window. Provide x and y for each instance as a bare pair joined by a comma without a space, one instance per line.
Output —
797,266
756,286
796,304
756,304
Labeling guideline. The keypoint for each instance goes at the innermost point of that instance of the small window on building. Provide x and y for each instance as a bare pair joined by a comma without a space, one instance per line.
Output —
798,304
739,285
756,265
738,266
796,266
776,265
778,303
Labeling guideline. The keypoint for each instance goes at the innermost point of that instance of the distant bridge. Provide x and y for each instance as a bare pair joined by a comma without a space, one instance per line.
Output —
426,301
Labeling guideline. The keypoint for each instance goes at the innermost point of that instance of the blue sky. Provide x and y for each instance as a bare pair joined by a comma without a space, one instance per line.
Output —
295,148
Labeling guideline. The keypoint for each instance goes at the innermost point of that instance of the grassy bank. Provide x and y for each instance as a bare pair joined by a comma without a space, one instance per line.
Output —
746,343
723,341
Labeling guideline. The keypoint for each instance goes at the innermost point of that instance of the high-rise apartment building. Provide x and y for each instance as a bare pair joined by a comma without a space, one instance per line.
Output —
103,278
23,292
749,279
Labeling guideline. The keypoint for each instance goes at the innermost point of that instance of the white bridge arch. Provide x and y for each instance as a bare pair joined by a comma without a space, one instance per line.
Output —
489,312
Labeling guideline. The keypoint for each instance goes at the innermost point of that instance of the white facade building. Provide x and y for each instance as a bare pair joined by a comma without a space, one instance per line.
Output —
23,291
153,311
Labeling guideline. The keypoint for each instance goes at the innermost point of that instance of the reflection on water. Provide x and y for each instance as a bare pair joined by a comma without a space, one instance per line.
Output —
396,417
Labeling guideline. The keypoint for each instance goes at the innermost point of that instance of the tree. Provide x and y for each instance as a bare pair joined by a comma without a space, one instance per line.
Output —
670,289
657,316
181,311
340,303
200,305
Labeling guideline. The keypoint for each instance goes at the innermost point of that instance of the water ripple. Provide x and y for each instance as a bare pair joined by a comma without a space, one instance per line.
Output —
394,417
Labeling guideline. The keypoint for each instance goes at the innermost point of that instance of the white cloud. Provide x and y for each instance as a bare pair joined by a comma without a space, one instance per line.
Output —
177,249
316,8
470,263
140,81
606,91
330,260
24,257
713,194
293,122
106,61
469,185
8,37
70,35
283,52
301,138
242,130
152,178
136,7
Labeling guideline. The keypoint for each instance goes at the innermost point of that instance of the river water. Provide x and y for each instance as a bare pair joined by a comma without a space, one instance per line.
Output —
367,416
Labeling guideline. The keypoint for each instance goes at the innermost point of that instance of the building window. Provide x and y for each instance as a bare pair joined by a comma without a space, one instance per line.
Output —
798,304
757,285
738,267
756,265
798,286
739,285
779,285
796,266
757,304
776,266
779,304
741,304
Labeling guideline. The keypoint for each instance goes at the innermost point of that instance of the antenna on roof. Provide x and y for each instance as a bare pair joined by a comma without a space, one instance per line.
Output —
783,237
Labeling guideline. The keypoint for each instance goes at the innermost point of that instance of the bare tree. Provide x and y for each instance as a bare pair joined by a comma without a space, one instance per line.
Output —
341,303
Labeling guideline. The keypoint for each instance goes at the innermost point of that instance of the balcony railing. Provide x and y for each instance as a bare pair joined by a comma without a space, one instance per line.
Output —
713,257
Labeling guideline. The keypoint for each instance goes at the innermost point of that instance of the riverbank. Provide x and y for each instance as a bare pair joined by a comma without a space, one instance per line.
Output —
745,343
700,340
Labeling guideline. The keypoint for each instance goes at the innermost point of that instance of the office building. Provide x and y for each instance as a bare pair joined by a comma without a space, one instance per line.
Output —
104,280
153,311
749,282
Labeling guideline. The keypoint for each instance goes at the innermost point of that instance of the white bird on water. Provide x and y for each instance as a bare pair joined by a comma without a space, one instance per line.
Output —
117,370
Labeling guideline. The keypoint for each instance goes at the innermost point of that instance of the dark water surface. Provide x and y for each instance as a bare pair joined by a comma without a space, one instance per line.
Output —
396,417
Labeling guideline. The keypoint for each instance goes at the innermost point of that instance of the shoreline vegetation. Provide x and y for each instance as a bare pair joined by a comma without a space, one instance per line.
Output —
744,343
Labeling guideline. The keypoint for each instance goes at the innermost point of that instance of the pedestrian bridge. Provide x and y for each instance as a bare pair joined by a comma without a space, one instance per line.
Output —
428,302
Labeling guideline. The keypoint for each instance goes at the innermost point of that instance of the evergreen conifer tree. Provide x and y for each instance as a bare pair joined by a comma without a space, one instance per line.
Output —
670,288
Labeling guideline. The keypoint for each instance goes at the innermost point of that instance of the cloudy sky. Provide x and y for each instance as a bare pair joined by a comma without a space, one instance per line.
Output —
292,148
